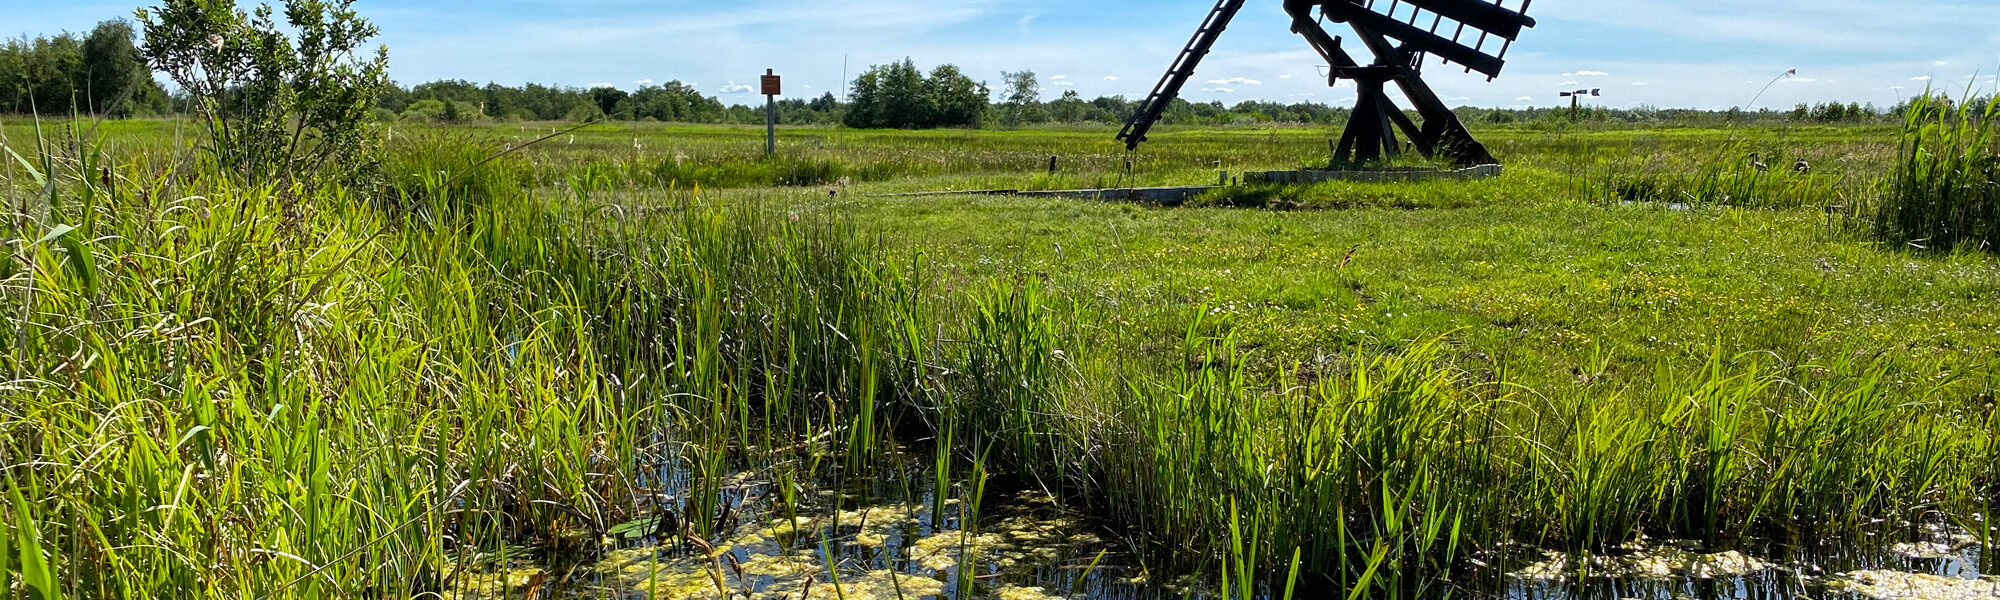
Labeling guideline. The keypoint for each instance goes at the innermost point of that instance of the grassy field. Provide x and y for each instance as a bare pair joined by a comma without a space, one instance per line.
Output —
375,389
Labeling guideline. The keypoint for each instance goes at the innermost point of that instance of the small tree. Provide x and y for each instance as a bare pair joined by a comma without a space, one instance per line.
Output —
278,101
1024,96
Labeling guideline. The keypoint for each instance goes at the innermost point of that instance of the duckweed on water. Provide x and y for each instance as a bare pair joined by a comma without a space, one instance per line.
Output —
1665,561
782,558
1896,585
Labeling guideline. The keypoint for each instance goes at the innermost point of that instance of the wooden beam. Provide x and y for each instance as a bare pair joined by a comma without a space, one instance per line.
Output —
1481,15
1415,39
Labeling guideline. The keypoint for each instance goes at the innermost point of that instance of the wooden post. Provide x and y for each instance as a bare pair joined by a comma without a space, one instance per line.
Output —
773,86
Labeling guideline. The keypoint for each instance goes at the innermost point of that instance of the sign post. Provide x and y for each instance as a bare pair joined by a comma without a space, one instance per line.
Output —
773,86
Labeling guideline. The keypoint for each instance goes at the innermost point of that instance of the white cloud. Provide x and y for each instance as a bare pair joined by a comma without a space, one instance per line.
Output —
1941,63
1063,83
1058,77
1525,99
1569,83
644,82
733,88
1025,21
1798,80
1586,74
1640,83
602,85
1285,76
1921,78
1235,81
1110,77
1220,90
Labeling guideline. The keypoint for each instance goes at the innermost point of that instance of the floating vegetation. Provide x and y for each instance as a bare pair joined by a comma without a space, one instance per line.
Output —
1663,561
1896,585
888,550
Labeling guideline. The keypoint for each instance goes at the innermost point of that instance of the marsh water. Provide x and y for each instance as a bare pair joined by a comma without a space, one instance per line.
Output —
893,536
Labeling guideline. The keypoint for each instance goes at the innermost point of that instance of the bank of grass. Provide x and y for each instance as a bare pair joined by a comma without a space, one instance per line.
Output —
221,391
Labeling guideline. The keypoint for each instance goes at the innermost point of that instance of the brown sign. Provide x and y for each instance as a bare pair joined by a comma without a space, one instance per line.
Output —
772,86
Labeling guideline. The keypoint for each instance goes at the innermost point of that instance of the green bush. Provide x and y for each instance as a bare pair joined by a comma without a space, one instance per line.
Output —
279,101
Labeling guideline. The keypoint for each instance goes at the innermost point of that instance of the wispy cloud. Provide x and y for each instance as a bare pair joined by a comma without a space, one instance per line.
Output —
735,88
1921,78
1235,81
1110,77
1220,90
1640,84
1586,74
1025,21
644,82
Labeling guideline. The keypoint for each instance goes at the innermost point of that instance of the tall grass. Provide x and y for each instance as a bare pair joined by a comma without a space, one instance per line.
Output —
259,392
1945,191
1391,476
262,392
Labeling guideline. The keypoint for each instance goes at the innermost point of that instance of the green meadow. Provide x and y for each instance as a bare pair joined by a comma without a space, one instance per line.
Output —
502,363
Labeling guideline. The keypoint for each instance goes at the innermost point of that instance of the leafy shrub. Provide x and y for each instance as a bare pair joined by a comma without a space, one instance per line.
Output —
279,101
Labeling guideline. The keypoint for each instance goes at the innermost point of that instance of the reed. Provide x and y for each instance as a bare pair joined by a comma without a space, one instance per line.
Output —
1943,193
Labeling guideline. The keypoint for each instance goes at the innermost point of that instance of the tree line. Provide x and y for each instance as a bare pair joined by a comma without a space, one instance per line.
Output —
91,73
82,73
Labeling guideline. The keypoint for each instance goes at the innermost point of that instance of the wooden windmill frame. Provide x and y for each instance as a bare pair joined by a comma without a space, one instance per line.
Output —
1401,35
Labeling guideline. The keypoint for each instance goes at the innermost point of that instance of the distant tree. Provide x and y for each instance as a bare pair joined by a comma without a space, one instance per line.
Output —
1114,109
1024,94
44,75
889,96
1070,108
607,99
825,103
904,101
113,66
954,100
897,95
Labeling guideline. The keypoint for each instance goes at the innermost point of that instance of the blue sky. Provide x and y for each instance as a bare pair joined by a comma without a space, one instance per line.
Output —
1675,53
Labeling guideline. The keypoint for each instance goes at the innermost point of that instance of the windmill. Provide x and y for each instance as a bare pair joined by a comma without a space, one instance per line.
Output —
1400,34
1576,99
